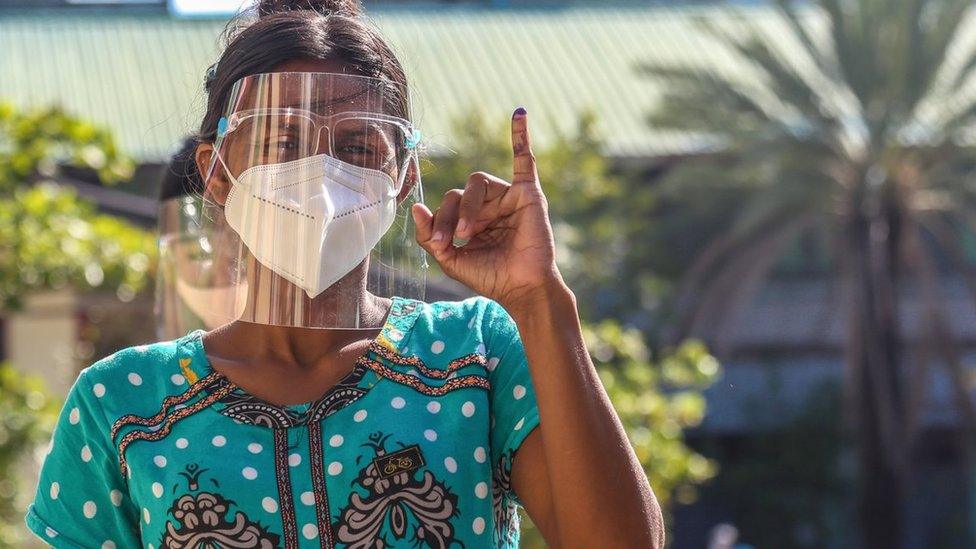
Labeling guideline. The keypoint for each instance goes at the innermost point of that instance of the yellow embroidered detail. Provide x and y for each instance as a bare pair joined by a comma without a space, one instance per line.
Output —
382,340
189,374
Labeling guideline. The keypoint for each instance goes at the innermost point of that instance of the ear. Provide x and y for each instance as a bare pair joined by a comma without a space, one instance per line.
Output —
215,185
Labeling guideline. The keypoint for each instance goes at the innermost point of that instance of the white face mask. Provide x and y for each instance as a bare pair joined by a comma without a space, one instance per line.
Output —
312,220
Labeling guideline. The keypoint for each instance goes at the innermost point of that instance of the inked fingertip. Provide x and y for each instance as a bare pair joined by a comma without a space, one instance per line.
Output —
519,112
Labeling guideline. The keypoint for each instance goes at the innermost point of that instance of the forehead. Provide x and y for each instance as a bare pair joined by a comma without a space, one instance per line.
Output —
318,92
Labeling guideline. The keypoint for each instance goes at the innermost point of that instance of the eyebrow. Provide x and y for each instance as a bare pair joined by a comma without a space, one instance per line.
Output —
322,104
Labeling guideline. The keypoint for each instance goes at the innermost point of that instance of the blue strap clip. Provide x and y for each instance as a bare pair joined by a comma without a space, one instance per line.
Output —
414,139
222,126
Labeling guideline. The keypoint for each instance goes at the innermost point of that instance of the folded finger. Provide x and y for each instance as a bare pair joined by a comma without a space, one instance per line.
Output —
446,218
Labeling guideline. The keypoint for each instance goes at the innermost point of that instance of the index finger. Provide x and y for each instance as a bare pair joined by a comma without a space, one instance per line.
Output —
523,167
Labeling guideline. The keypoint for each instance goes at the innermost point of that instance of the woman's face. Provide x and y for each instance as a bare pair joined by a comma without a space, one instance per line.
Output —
285,120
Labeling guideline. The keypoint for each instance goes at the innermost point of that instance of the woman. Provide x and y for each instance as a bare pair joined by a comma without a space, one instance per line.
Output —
333,407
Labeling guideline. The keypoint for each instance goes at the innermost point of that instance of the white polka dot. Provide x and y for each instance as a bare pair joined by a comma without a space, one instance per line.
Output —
519,424
308,498
396,335
445,313
479,454
359,416
335,468
135,378
157,489
270,505
115,497
480,349
518,392
86,454
478,525
98,389
481,490
492,363
74,416
160,461
398,402
50,446
335,441
437,347
55,490
250,473
145,515
452,375
294,460
182,443
450,464
218,441
430,435
109,544
467,409
177,379
433,406
310,531
51,532
471,322
179,406
254,448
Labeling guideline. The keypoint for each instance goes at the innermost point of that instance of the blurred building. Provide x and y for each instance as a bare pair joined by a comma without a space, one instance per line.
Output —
138,69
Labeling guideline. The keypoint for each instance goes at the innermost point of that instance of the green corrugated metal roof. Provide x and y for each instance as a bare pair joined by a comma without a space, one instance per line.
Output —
141,73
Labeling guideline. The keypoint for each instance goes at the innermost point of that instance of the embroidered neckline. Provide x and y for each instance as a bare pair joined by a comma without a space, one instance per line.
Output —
244,407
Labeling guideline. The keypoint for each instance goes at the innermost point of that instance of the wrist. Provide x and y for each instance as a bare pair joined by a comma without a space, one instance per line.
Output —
550,292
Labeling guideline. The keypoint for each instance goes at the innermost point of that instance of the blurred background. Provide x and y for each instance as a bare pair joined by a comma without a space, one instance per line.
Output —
766,210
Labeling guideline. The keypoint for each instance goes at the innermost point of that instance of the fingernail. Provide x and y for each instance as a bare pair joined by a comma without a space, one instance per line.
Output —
461,226
459,242
520,112
438,236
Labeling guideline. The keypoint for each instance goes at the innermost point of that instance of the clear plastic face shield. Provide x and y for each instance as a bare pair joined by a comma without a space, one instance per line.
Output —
305,218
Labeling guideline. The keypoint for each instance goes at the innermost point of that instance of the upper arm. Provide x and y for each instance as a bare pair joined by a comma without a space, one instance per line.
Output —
81,498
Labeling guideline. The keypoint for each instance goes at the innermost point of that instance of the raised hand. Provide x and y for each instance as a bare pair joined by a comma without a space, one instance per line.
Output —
495,236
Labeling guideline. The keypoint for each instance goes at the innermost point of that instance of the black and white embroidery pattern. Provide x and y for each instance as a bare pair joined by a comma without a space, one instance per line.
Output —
504,507
247,408
202,521
399,497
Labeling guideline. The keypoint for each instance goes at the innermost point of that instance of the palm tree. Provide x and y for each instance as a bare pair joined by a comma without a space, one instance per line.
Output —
849,119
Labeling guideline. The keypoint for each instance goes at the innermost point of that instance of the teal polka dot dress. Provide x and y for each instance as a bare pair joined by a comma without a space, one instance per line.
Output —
412,448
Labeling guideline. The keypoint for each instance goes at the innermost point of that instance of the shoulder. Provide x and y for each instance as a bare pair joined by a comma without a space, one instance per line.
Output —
134,379
451,329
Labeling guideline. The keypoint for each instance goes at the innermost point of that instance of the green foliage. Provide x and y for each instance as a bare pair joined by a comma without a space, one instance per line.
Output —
27,416
656,402
585,197
35,142
50,238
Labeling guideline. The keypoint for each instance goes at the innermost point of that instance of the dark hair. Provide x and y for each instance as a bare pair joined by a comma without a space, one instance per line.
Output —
301,29
180,177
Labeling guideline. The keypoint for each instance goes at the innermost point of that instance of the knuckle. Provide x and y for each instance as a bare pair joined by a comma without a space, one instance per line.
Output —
454,194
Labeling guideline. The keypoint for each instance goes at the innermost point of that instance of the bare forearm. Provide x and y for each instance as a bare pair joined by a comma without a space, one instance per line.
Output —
601,496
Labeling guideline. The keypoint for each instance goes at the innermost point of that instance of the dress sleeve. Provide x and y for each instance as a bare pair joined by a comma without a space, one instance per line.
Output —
513,405
81,500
